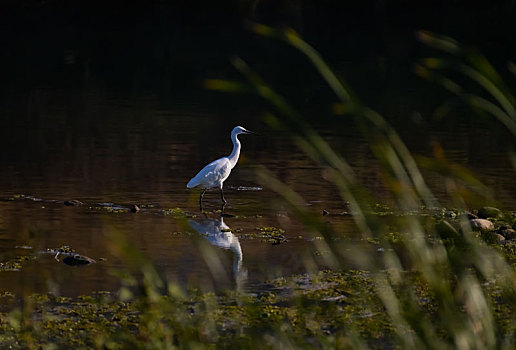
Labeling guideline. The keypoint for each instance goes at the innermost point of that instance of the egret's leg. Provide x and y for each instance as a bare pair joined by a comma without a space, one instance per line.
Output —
222,195
200,200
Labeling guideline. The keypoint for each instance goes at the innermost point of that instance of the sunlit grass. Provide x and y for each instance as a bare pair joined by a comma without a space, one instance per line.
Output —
465,318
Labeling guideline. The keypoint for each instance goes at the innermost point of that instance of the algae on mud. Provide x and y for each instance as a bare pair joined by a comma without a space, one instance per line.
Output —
271,235
302,307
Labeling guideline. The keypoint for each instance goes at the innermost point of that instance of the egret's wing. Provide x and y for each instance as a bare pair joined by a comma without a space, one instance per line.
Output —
212,174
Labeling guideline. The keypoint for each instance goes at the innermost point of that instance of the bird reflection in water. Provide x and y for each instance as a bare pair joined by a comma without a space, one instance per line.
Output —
219,234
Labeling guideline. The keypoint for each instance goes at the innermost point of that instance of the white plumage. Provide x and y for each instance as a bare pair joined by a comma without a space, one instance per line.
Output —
212,175
215,173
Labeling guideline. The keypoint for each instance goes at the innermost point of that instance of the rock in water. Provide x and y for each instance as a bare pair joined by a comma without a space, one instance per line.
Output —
446,230
76,260
508,233
498,237
489,212
481,224
469,215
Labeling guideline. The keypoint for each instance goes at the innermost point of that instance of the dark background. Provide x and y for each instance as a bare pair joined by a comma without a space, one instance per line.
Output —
156,45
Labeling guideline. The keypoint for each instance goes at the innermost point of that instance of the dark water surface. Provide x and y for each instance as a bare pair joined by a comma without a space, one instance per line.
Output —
128,123
127,151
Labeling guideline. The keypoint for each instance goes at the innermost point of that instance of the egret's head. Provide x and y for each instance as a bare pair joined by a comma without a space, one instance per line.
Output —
241,130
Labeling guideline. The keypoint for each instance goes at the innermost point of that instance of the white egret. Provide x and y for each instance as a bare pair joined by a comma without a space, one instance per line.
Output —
215,173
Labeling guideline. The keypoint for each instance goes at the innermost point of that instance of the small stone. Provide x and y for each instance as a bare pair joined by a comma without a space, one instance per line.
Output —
450,214
135,208
489,212
481,224
338,298
446,230
470,215
72,202
508,233
76,260
324,212
498,237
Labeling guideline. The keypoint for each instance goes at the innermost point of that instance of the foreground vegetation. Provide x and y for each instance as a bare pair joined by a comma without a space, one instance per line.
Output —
332,308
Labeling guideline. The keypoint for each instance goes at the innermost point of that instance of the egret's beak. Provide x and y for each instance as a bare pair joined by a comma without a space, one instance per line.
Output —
251,132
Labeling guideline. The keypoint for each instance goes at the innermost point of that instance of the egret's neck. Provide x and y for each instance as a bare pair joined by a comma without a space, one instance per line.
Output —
233,157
